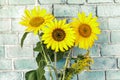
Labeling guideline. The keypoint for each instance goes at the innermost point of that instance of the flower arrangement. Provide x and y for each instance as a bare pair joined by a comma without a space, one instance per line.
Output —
57,40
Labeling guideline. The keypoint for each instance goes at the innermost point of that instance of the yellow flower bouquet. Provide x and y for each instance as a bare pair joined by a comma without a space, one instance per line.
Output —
57,38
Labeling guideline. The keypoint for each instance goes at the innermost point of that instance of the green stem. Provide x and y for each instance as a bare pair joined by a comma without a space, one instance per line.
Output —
55,65
66,64
49,58
45,56
55,59
54,70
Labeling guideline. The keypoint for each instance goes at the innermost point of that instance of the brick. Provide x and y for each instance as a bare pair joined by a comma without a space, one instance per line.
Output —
92,75
25,64
94,51
108,11
47,7
65,10
113,75
115,36
89,9
104,64
4,12
103,23
74,77
16,11
117,1
60,64
104,37
51,1
47,75
76,1
114,23
2,52
30,39
14,51
99,1
5,25
113,79
16,27
11,76
119,62
5,64
11,11
17,2
2,2
110,50
8,39
77,51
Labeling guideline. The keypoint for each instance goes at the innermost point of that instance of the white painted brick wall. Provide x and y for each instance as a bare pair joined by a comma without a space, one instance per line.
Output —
100,1
108,10
106,51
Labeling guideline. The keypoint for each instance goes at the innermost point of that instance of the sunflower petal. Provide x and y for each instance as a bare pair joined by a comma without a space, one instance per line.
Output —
52,35
81,26
35,19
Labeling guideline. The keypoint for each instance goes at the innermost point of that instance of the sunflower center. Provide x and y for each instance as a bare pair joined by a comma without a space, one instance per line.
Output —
36,21
58,34
84,30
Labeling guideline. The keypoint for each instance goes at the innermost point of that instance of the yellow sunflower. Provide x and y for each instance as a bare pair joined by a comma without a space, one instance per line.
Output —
58,35
35,19
86,29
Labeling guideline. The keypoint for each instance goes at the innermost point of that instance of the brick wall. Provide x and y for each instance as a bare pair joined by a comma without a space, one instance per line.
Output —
14,61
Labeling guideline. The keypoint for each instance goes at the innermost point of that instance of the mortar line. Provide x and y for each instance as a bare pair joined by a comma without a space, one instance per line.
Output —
105,75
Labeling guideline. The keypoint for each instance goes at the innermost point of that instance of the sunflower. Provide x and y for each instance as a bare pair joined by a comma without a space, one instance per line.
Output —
35,19
58,35
86,30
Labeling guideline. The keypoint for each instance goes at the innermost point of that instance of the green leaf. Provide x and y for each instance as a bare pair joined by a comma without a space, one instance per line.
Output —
40,71
23,38
41,65
49,52
38,47
40,74
31,75
39,58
